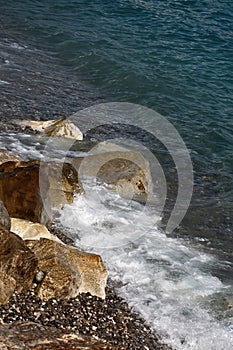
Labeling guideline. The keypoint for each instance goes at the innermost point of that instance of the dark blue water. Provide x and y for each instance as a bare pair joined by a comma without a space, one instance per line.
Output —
175,57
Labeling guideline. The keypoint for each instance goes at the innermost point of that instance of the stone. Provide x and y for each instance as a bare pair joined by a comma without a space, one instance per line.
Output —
31,230
64,128
68,271
34,336
29,190
64,184
126,172
16,261
59,128
7,287
6,156
4,216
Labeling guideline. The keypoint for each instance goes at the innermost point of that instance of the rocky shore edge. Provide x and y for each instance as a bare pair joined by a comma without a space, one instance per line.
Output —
84,321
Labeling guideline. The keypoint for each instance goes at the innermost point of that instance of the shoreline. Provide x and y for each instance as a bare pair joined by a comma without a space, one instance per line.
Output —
111,320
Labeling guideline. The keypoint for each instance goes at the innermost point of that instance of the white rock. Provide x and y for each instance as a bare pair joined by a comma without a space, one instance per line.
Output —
31,230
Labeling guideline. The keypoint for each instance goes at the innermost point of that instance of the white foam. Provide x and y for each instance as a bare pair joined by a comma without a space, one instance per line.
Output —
168,282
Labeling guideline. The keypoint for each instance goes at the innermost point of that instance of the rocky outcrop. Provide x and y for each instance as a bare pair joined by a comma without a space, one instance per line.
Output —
31,230
30,335
126,172
6,156
30,189
18,264
60,128
4,216
68,271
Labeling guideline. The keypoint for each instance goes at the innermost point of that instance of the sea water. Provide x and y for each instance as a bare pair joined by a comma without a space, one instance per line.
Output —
175,57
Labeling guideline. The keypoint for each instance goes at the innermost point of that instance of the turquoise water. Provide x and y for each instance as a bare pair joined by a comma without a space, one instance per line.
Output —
175,57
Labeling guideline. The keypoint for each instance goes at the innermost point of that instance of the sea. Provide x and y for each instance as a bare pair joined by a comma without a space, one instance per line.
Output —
159,73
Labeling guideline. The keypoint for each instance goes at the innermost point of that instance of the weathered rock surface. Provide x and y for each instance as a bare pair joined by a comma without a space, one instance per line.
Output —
31,230
30,335
60,128
126,172
68,271
64,128
63,183
4,216
17,262
30,189
7,287
6,156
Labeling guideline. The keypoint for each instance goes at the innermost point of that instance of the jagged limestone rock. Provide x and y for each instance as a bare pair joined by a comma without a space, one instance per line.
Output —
31,230
68,271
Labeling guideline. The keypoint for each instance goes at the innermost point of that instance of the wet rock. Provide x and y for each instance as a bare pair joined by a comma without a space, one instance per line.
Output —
30,335
6,156
126,172
63,184
30,189
31,230
68,271
4,216
17,262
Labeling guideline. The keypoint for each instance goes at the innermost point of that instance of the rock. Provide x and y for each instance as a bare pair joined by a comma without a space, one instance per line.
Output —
6,156
60,128
7,287
34,336
4,216
126,172
68,271
63,184
16,261
31,230
30,189
64,128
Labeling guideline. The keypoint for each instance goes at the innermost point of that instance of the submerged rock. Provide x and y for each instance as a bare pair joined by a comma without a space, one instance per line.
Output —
31,230
18,264
30,335
29,190
68,271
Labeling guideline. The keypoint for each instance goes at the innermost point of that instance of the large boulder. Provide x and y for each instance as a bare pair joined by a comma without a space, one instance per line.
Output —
68,271
18,265
126,172
34,336
31,230
29,190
